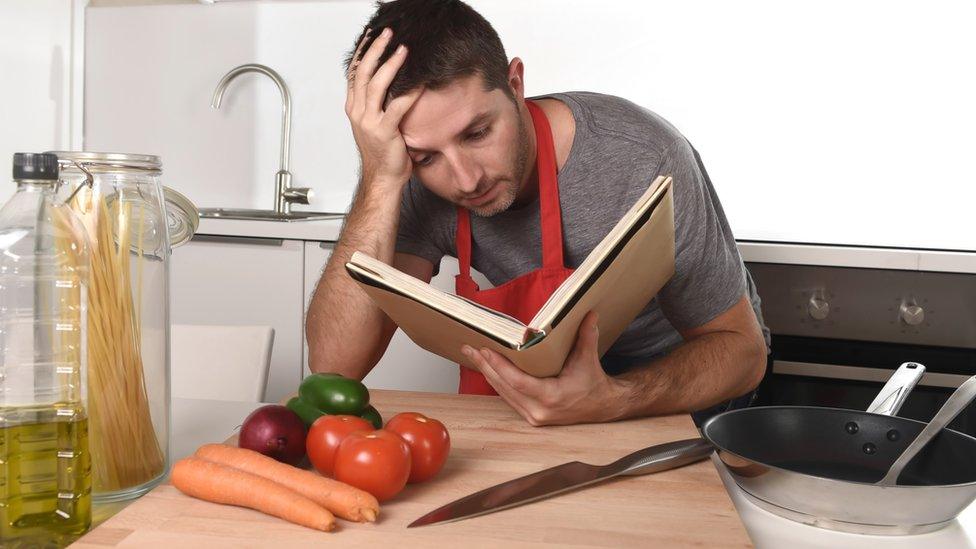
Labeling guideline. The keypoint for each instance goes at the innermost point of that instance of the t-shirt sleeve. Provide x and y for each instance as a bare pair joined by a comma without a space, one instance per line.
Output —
709,275
413,236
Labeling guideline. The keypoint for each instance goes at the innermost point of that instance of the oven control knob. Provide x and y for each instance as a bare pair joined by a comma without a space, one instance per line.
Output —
818,308
911,314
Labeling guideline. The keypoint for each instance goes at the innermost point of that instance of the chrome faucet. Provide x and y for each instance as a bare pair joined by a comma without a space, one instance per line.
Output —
285,194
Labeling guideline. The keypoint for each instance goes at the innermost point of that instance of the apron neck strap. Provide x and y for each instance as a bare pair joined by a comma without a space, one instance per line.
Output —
550,217
462,240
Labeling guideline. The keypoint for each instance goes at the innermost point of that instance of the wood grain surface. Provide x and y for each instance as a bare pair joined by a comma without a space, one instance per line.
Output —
490,445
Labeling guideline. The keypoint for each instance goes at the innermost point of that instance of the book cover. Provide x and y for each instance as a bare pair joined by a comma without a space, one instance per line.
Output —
619,277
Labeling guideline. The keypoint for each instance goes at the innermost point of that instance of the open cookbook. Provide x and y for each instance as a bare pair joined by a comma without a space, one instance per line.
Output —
619,277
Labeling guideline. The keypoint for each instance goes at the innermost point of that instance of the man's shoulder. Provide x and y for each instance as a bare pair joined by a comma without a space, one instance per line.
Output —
416,196
423,207
613,117
426,223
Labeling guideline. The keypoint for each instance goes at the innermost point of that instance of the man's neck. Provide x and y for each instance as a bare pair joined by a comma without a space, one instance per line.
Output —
563,127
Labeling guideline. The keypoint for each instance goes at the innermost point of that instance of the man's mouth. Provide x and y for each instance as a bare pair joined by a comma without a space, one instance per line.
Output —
484,197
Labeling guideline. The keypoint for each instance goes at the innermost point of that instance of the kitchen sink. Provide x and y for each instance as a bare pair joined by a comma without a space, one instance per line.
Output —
266,215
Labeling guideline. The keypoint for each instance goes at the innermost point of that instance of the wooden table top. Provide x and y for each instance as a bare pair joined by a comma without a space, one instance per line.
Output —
490,445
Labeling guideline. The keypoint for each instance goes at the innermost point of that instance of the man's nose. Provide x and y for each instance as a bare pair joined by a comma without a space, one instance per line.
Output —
467,174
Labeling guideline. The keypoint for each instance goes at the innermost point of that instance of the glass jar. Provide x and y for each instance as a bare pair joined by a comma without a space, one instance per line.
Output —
121,204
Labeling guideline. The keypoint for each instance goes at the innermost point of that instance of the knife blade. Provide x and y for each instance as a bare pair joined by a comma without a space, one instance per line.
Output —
565,477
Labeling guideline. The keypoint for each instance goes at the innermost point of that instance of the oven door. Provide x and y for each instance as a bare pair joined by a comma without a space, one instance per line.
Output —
836,373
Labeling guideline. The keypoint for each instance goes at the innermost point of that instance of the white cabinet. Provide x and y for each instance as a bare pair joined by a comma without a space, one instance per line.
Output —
405,366
231,280
264,281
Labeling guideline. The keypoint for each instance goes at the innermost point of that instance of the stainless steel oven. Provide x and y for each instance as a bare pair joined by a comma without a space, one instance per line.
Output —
839,332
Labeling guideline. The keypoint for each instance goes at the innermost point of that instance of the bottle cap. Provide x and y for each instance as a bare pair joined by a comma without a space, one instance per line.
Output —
43,166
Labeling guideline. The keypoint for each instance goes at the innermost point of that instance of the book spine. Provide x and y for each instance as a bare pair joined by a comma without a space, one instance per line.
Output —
532,336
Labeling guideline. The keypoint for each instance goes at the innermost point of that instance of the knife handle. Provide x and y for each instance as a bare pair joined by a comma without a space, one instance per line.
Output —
662,457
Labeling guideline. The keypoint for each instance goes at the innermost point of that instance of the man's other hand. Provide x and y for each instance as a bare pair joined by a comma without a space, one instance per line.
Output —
581,393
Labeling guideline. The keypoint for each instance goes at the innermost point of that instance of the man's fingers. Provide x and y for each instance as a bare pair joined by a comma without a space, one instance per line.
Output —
517,379
380,83
354,62
398,107
351,71
487,365
367,66
588,336
509,395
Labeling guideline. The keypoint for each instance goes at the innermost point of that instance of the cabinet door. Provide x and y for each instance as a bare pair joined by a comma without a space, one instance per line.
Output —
404,366
239,281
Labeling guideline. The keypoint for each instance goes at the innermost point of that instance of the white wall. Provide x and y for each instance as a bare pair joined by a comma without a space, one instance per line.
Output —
153,96
832,122
149,76
38,87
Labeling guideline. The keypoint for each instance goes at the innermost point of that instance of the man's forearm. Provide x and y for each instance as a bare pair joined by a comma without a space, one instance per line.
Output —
346,332
701,373
344,328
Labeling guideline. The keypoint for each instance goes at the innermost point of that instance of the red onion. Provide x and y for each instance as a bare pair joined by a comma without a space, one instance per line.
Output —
276,432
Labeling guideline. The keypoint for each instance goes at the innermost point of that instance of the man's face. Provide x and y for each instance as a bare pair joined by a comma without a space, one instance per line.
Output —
468,145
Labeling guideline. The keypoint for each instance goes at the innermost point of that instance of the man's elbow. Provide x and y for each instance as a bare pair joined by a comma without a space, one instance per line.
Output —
756,360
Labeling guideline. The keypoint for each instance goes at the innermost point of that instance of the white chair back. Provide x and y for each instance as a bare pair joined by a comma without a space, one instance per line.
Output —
220,362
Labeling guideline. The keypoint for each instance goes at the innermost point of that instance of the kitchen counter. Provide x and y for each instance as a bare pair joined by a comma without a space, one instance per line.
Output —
223,417
324,230
490,444
751,251
902,259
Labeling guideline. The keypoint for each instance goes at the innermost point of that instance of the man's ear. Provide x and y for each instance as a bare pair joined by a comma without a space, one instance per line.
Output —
516,78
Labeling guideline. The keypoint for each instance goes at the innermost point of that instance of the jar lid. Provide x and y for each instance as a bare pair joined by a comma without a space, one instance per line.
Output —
120,160
182,217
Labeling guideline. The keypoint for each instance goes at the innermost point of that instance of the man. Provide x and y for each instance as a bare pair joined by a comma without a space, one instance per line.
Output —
444,131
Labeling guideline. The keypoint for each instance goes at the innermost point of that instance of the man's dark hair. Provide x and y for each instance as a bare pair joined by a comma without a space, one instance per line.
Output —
445,39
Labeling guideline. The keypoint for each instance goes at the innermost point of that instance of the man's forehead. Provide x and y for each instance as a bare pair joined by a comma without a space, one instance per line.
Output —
442,113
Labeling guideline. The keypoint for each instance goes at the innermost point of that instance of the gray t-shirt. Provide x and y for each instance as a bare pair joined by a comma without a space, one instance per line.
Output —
618,150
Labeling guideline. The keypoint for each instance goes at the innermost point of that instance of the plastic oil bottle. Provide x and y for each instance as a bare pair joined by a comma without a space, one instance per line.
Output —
45,469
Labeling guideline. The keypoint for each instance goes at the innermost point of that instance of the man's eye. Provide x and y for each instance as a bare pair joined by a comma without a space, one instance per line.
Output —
423,161
480,134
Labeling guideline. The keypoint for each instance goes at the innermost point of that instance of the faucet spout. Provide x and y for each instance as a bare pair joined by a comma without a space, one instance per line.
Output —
284,176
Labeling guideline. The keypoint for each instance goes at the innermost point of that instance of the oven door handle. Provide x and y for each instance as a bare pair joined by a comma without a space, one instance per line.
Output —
860,373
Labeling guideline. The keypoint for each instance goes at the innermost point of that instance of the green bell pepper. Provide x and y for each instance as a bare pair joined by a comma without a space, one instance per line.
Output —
306,411
321,394
373,416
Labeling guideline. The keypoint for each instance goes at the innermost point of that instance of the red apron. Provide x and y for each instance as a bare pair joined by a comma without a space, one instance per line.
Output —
521,297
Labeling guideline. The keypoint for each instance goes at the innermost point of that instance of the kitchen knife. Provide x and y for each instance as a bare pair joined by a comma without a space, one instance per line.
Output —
565,477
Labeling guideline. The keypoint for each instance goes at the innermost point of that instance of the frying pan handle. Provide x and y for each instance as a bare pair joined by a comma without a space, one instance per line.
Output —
958,401
894,393
662,457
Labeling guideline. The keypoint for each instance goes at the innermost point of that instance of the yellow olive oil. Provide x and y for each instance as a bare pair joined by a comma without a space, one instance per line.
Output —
45,476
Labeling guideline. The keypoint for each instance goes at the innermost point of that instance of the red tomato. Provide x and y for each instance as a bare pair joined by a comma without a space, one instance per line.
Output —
324,438
428,440
378,462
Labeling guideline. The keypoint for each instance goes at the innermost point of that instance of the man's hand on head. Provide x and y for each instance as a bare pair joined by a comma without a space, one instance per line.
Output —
375,121
581,393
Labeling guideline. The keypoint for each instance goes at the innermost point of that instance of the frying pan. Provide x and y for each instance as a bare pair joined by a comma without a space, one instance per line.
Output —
819,465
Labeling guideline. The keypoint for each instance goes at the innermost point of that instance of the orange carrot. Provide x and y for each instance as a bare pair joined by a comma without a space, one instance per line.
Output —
221,484
345,501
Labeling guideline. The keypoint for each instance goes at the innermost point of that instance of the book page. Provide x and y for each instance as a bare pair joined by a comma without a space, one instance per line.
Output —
594,263
500,326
